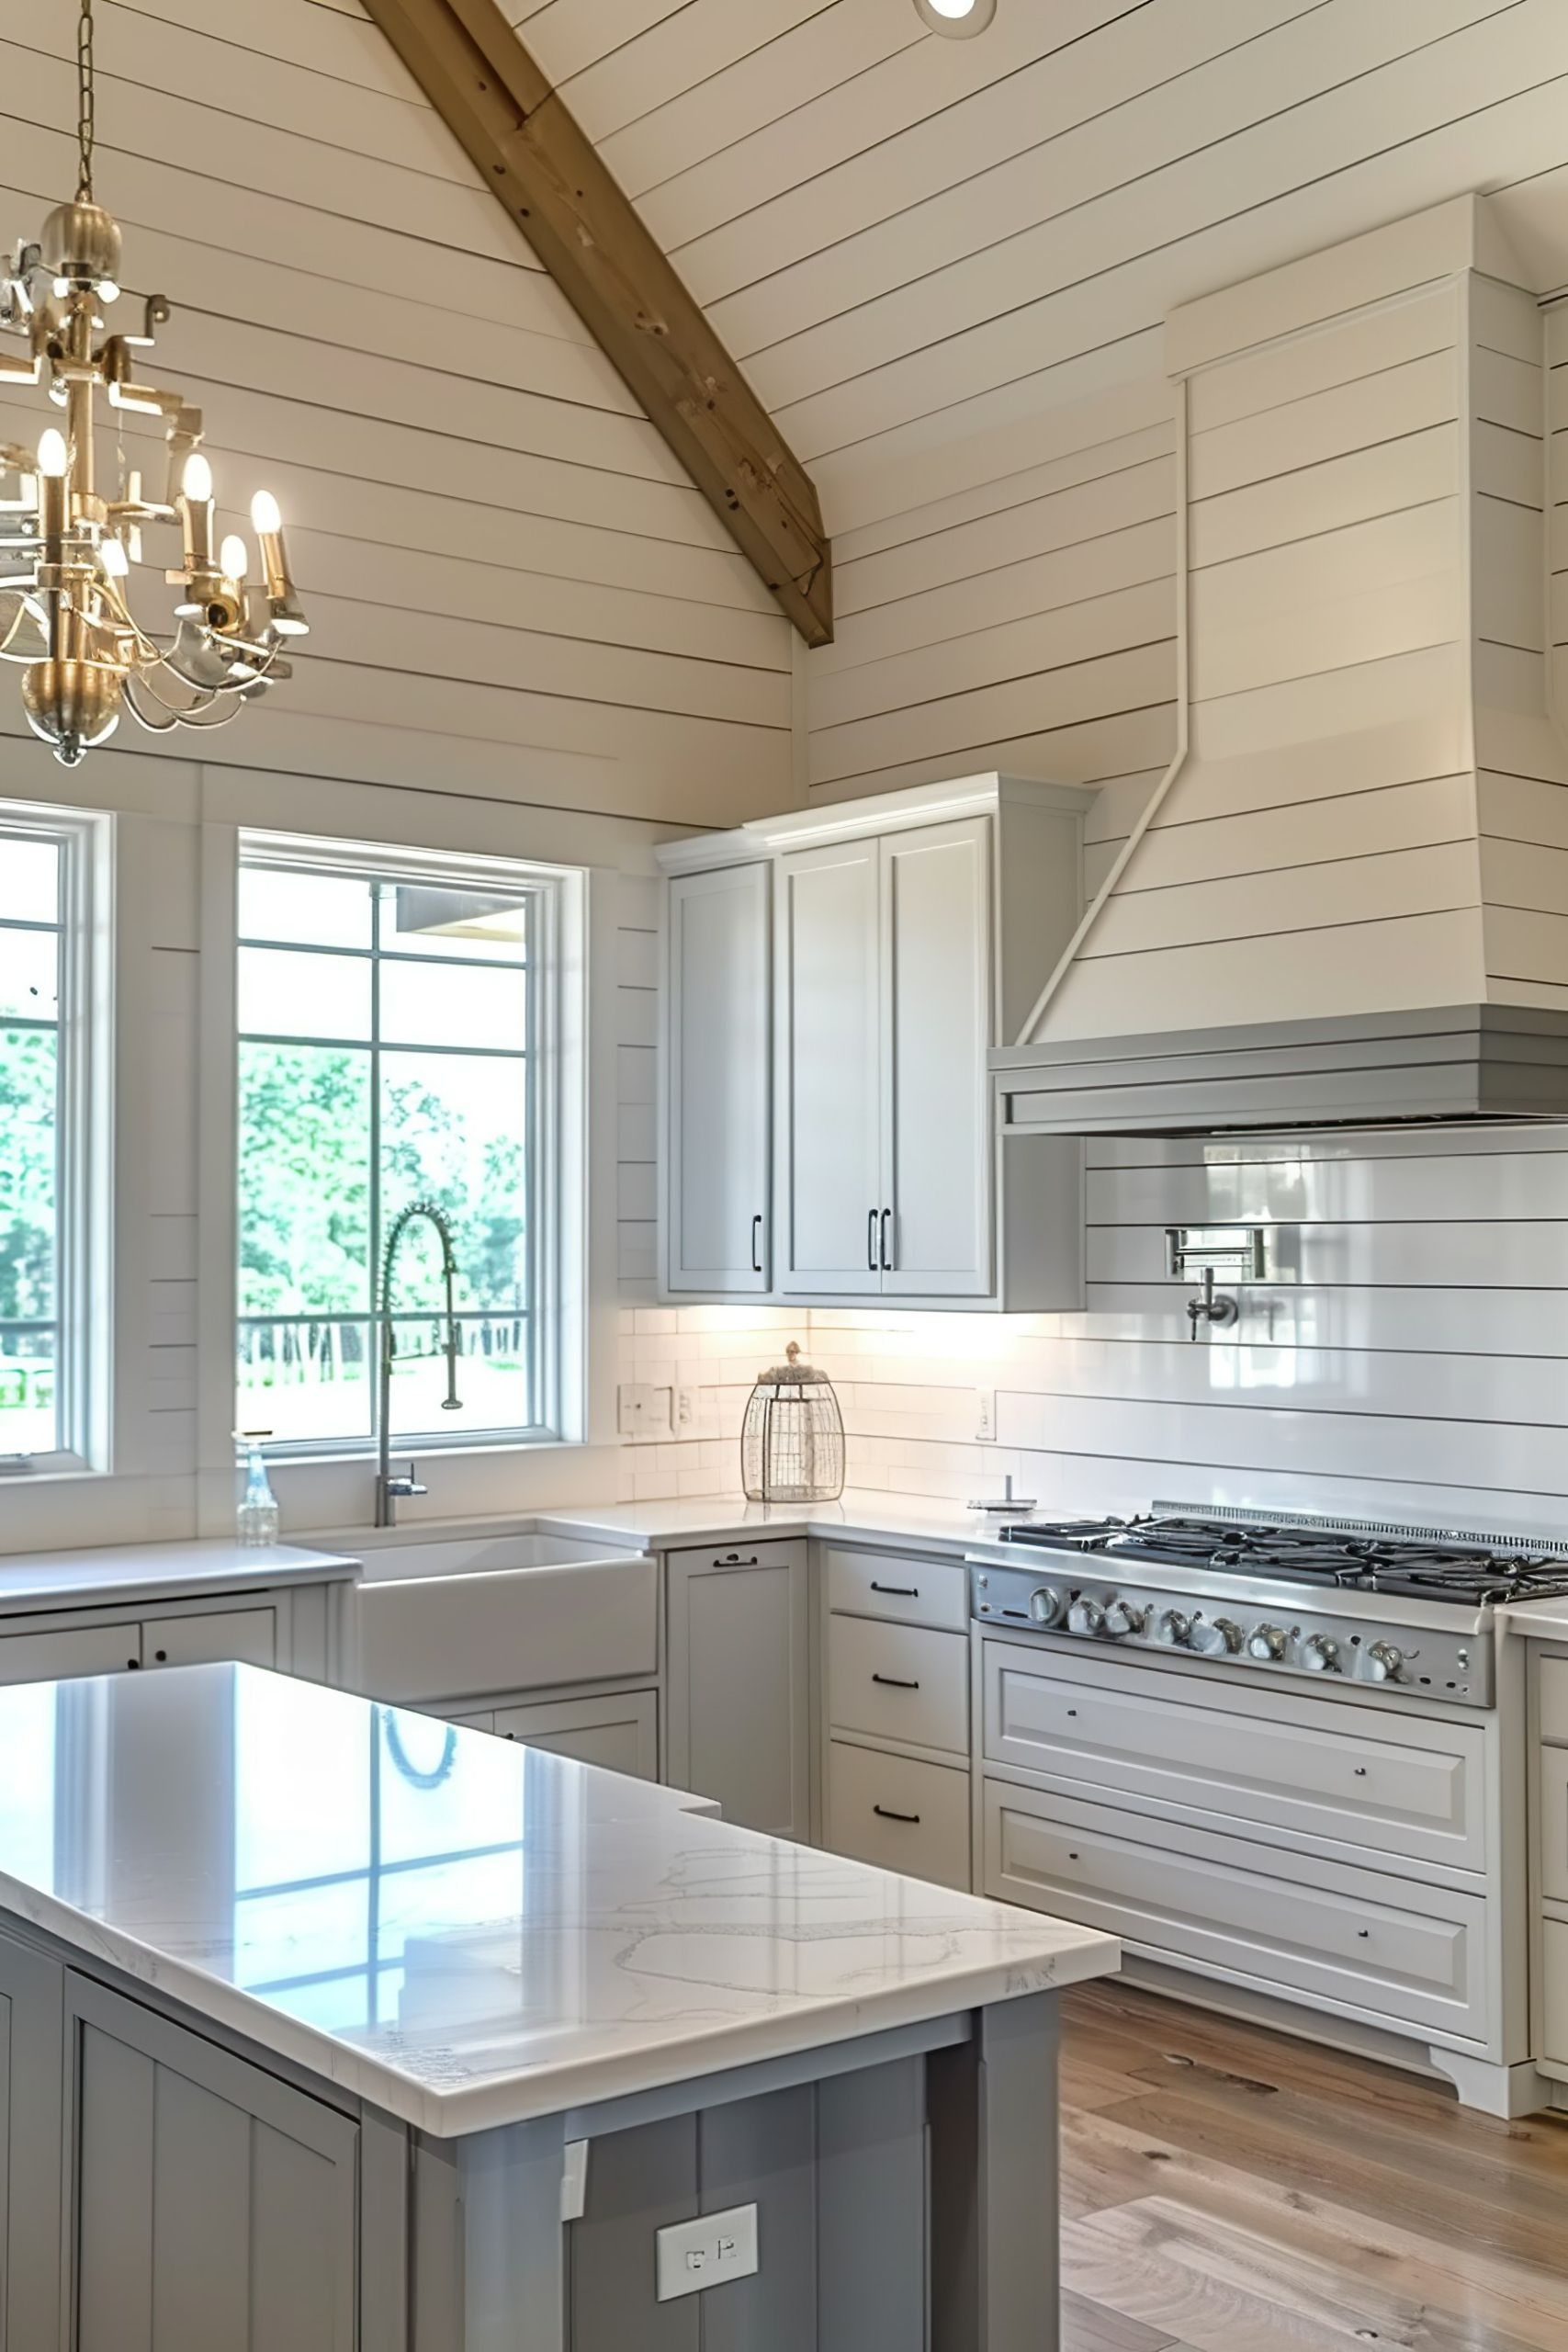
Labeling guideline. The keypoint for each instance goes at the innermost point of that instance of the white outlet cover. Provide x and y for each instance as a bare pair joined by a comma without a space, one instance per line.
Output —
984,1416
685,1409
708,2251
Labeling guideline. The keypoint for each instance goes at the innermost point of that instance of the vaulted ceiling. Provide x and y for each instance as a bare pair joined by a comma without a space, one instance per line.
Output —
916,247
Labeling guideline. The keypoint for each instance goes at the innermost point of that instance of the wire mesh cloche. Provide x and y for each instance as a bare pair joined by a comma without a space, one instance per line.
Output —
792,1443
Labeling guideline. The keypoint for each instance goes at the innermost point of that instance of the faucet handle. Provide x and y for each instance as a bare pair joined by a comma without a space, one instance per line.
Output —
407,1485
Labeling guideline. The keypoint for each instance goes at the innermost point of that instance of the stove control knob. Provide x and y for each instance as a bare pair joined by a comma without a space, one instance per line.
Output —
1086,1617
1215,1638
1383,1662
1319,1654
1175,1630
1267,1641
1121,1618
1044,1606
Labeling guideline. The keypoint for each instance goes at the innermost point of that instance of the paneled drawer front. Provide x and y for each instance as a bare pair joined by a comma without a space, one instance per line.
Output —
1341,1772
913,1591
1554,1698
898,1682
1385,1947
898,1814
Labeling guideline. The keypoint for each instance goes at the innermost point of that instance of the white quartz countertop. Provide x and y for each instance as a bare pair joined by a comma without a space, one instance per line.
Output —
461,1931
121,1572
864,1517
1539,1621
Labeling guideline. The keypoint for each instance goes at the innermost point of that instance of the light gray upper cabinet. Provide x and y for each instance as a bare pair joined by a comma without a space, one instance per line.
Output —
913,932
718,1130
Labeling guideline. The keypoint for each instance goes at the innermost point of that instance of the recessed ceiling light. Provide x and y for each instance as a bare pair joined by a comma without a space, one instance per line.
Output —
957,19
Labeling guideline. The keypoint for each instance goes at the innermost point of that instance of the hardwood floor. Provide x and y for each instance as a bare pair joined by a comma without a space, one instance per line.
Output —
1227,2190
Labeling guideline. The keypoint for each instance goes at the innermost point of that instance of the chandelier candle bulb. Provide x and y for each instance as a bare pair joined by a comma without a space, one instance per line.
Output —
196,513
234,559
266,519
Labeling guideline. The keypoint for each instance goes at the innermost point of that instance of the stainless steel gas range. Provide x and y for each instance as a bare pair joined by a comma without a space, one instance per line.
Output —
1284,1759
1402,1609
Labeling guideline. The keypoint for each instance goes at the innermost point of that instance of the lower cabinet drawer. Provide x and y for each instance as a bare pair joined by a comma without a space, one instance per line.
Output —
1361,1776
900,1814
1386,1947
898,1682
890,1584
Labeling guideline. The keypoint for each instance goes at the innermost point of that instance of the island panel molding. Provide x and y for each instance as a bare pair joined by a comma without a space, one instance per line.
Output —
560,194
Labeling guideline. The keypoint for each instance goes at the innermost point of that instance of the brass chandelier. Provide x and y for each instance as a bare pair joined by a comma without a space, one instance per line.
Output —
67,550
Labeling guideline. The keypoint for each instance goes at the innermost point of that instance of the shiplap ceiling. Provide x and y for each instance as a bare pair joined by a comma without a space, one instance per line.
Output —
905,239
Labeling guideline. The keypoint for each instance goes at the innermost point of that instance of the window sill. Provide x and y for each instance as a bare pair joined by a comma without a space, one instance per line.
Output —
362,1457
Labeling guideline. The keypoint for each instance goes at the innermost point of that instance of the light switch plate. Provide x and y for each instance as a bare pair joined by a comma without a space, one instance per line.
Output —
644,1411
686,1410
984,1416
707,2252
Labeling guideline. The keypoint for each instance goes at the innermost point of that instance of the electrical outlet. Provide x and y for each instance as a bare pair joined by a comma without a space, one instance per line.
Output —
686,1410
643,1411
984,1416
707,2252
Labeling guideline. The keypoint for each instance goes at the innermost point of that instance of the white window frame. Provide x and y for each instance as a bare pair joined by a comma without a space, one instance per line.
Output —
558,1221
84,1142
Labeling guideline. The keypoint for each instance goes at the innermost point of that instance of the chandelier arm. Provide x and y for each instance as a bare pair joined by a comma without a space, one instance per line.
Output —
153,726
17,618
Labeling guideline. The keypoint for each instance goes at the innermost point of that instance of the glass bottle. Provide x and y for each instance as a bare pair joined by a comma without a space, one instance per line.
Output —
256,1521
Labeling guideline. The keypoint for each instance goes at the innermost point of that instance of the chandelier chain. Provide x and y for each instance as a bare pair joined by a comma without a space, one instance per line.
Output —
85,112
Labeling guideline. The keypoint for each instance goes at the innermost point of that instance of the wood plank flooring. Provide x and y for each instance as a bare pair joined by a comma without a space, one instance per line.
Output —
1229,2190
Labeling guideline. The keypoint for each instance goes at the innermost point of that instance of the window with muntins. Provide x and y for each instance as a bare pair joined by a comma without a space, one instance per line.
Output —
394,1019
46,1279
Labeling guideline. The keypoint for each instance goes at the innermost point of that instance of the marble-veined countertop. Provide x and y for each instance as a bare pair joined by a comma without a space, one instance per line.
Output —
464,1931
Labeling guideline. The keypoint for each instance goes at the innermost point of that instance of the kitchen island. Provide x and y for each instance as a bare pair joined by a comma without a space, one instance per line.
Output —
331,2027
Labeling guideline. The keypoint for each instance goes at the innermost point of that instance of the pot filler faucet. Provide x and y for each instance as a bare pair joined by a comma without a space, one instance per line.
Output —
1216,1308
390,1490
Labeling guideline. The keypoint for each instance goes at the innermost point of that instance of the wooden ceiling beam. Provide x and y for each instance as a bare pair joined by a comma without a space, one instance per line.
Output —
549,179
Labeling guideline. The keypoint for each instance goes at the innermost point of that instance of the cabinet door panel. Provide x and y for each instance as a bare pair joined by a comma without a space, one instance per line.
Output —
31,2109
720,1083
739,1663
829,1082
83,1649
247,1637
215,2206
936,985
620,1734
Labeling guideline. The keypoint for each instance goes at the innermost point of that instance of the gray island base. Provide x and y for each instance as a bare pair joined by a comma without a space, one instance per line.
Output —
326,2028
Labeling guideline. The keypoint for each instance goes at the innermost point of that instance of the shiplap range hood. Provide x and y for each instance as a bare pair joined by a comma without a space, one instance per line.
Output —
1348,900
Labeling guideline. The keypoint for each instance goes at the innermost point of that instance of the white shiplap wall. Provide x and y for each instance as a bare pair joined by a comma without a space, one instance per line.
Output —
1407,1353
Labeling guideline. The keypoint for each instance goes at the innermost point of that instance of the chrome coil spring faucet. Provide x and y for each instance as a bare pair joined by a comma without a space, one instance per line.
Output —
390,1490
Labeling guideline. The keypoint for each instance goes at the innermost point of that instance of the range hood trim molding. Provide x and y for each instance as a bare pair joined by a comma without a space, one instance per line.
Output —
1447,1063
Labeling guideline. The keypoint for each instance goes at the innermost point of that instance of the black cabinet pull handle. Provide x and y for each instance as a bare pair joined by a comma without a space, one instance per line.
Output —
757,1243
734,1560
870,1241
886,1261
133,1662
162,1656
891,1682
899,1591
885,1812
